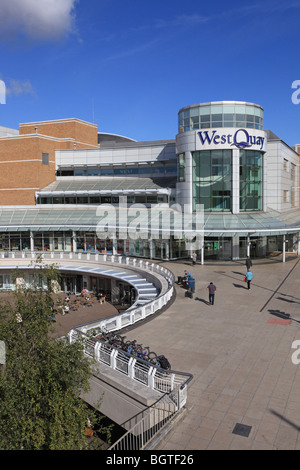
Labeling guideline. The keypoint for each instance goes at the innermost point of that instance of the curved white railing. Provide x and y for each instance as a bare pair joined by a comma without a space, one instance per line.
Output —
137,369
163,381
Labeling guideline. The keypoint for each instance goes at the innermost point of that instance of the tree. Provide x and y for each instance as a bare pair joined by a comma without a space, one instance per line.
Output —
40,408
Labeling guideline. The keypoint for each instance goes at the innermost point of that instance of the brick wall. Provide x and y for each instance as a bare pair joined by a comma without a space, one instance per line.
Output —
22,171
85,134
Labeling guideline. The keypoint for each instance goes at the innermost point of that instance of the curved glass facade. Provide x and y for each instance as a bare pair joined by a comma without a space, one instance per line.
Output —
251,180
212,180
221,114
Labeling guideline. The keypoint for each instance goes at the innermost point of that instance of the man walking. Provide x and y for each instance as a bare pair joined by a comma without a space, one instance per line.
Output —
211,290
248,263
249,277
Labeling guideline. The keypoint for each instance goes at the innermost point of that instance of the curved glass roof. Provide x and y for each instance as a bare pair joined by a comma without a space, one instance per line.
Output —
87,219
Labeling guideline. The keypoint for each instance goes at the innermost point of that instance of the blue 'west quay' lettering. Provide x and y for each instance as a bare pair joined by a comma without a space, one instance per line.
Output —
240,139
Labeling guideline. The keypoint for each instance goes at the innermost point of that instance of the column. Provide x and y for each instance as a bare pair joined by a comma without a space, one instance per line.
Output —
31,241
74,242
235,247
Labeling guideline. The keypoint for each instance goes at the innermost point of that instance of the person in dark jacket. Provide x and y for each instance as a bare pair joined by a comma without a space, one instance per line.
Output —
211,290
248,263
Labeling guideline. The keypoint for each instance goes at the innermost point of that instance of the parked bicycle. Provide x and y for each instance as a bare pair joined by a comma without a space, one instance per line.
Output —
133,349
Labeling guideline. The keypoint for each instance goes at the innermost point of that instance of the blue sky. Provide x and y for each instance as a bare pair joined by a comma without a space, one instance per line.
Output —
130,66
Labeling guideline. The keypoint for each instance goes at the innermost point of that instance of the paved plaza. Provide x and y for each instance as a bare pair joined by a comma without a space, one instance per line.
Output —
245,392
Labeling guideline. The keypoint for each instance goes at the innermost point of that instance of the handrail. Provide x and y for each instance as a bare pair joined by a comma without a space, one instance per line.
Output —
171,384
154,419
139,370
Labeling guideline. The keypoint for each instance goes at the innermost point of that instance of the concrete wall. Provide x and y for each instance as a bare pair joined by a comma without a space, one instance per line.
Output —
280,157
121,398
135,153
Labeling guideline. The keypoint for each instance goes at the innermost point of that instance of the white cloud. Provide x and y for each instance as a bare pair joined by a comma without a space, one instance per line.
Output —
17,87
36,19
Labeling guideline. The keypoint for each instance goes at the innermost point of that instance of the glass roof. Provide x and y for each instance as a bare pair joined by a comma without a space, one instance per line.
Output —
112,184
162,218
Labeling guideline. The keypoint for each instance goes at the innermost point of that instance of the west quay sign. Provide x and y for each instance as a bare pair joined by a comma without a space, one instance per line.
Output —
240,138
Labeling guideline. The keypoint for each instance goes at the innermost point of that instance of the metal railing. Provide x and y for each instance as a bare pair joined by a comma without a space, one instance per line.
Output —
91,256
171,384
139,370
149,423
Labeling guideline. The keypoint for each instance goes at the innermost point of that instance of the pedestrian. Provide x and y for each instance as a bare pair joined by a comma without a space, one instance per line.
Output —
194,257
248,278
66,309
185,279
248,263
211,290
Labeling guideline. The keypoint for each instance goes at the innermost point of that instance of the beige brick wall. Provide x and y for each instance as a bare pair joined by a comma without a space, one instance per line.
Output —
22,172
85,134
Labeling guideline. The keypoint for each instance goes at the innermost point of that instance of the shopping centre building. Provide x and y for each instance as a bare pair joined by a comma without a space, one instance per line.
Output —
66,186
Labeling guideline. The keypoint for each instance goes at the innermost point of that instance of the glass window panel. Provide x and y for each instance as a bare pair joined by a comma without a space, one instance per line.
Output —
228,109
171,169
82,200
216,109
240,109
217,170
228,117
195,122
205,110
106,171
249,110
94,199
105,199
79,172
194,112
204,189
227,157
217,203
204,157
229,124
205,172
214,187
217,157
93,172
70,200
58,200
206,202
196,173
